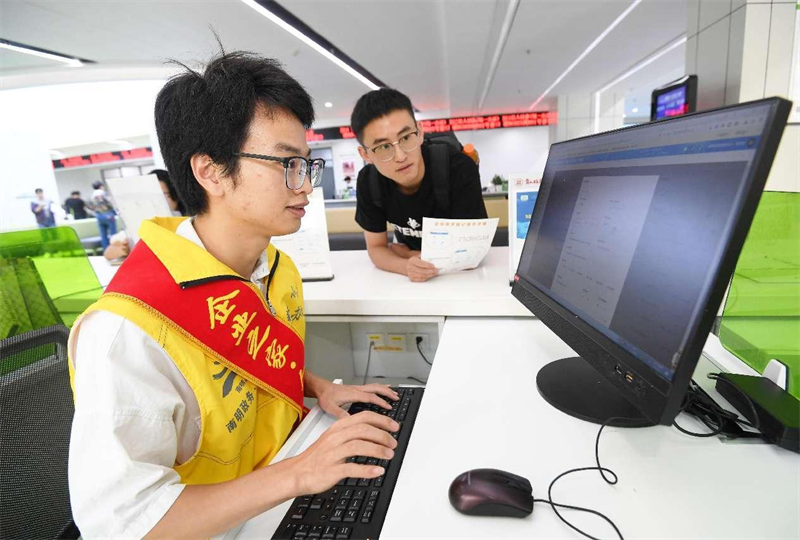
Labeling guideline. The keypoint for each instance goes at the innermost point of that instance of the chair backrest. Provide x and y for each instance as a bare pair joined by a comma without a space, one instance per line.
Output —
36,412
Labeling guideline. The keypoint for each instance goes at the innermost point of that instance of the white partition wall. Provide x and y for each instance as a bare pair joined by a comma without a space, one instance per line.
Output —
741,51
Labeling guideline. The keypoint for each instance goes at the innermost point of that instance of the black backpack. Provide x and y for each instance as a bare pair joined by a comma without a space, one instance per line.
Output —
441,147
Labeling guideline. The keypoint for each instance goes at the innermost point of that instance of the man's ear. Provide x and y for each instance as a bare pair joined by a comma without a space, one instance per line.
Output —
208,175
364,155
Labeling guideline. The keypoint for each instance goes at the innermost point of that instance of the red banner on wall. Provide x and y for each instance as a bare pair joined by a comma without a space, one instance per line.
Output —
440,125
103,157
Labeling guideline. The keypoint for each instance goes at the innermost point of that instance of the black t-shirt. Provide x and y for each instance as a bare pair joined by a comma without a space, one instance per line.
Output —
405,212
76,207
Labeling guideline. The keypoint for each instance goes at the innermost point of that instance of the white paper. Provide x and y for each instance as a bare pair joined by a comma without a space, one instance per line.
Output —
137,199
523,190
456,244
309,247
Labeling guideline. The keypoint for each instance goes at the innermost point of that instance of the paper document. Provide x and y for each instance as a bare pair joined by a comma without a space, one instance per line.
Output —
309,248
137,199
456,244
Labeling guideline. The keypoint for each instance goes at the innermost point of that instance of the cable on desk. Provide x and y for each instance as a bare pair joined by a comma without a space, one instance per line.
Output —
602,470
369,357
419,340
720,421
757,425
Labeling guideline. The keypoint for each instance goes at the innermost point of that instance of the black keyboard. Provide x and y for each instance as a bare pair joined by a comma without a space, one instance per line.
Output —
355,508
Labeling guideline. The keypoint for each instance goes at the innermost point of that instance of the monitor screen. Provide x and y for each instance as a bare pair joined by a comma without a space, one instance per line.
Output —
673,103
630,227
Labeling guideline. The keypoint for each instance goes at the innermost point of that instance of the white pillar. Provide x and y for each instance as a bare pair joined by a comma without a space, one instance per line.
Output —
741,50
575,116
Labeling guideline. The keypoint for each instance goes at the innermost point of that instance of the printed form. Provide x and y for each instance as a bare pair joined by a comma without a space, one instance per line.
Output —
456,244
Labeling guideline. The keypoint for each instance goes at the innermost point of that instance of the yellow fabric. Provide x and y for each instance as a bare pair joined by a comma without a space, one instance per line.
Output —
243,427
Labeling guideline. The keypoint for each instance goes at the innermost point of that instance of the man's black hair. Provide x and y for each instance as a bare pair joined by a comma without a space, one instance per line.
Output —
163,177
377,104
97,185
210,113
38,190
75,193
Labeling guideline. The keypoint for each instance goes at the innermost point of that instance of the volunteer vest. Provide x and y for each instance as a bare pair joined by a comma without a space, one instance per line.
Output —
244,364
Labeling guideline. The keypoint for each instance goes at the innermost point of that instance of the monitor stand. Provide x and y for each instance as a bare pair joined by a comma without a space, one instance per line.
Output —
573,386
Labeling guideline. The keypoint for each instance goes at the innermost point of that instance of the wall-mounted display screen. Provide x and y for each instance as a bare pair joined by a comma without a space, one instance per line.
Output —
674,99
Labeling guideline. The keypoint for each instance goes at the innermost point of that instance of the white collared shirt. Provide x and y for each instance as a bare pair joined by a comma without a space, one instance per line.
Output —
136,417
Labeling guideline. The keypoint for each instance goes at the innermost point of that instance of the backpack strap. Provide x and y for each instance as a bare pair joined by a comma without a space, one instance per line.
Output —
374,186
440,169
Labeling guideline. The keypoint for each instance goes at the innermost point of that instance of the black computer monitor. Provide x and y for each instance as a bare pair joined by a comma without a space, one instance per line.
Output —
631,244
674,99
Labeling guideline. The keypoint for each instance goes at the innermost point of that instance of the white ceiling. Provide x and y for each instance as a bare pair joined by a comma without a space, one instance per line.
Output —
438,52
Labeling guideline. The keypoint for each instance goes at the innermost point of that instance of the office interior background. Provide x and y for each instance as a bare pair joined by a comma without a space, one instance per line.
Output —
592,63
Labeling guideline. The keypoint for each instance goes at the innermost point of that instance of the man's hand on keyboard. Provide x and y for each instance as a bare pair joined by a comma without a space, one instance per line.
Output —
324,463
332,396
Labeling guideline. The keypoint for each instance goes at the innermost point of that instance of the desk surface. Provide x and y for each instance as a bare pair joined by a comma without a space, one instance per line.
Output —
359,288
481,409
670,485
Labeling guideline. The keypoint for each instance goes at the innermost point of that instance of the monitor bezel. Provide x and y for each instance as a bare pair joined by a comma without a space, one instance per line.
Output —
657,398
689,81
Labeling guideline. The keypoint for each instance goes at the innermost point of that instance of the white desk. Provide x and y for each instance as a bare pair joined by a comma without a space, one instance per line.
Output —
482,409
360,289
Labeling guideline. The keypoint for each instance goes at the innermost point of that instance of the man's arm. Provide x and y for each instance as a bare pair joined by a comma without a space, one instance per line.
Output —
201,511
387,259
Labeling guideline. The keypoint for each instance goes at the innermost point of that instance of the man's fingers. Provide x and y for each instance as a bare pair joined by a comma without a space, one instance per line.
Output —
364,448
381,389
338,412
419,263
353,470
370,418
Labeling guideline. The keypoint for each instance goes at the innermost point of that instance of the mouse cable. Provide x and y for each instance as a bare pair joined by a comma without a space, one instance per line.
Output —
603,470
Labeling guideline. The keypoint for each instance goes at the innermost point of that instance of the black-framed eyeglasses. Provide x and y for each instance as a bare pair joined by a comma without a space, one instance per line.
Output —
407,143
295,169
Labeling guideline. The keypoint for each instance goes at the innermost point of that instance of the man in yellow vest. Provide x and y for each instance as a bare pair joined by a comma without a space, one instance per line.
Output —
189,372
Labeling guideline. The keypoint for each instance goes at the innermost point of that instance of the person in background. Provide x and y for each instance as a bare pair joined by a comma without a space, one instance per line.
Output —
42,208
189,372
120,242
175,204
404,181
75,206
105,214
349,190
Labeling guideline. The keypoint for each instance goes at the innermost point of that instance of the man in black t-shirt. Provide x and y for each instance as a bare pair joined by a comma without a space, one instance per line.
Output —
75,206
405,180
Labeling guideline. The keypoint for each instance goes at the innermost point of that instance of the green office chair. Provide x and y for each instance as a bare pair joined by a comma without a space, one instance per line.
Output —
36,412
62,264
761,320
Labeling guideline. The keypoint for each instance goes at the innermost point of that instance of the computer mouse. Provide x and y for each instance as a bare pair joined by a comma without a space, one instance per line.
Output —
491,492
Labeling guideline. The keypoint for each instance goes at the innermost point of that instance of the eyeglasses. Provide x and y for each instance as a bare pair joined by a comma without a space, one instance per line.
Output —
407,143
295,169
